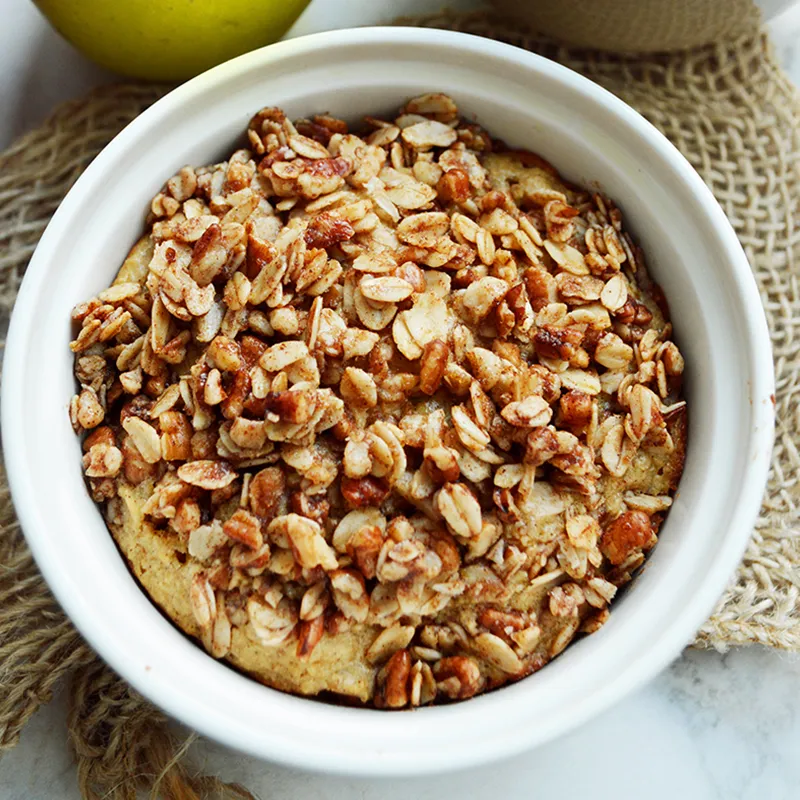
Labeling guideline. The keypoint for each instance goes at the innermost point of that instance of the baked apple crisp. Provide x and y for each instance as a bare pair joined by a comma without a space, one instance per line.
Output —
387,416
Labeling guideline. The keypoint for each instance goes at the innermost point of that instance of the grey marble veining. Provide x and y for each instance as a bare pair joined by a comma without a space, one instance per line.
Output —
711,727
741,712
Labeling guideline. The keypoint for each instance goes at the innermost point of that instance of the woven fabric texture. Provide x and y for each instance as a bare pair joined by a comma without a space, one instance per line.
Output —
634,26
728,108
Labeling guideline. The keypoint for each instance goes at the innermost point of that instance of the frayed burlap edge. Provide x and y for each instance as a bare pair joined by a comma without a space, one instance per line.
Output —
730,110
122,744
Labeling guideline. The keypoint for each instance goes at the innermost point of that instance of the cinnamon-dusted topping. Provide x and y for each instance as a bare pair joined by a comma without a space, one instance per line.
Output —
631,531
393,395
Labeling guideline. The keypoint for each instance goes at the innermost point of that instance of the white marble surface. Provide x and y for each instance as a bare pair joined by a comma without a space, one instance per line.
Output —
711,727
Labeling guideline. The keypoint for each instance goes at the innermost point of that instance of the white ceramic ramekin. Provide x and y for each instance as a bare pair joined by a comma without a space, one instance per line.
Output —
527,101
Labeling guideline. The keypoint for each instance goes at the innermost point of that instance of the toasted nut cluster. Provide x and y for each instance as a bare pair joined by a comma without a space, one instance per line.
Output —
405,382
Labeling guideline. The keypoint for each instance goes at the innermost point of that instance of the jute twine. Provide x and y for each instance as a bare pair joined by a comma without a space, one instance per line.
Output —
731,111
635,26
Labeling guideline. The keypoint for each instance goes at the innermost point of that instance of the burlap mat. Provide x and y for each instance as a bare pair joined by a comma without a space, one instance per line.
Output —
731,111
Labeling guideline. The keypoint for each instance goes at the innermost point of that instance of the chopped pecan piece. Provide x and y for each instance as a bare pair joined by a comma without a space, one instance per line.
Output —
454,186
432,365
364,547
296,407
630,531
314,507
326,230
576,409
309,634
367,491
458,677
557,343
392,683
135,468
245,528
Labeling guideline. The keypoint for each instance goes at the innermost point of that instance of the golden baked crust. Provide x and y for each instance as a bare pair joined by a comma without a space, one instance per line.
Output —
158,564
387,418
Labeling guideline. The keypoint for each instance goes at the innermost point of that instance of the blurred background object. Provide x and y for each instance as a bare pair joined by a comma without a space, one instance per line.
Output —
639,26
41,69
169,39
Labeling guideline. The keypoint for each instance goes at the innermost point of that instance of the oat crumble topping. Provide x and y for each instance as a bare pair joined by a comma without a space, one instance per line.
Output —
390,415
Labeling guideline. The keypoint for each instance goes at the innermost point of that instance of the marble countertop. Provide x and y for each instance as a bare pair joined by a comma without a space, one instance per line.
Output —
710,727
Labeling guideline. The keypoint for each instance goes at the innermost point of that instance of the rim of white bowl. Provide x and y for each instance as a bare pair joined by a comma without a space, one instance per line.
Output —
359,749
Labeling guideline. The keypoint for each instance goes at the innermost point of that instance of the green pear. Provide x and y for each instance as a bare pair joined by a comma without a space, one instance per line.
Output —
169,40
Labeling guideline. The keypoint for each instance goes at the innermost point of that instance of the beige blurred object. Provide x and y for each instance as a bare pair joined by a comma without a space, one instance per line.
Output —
634,26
